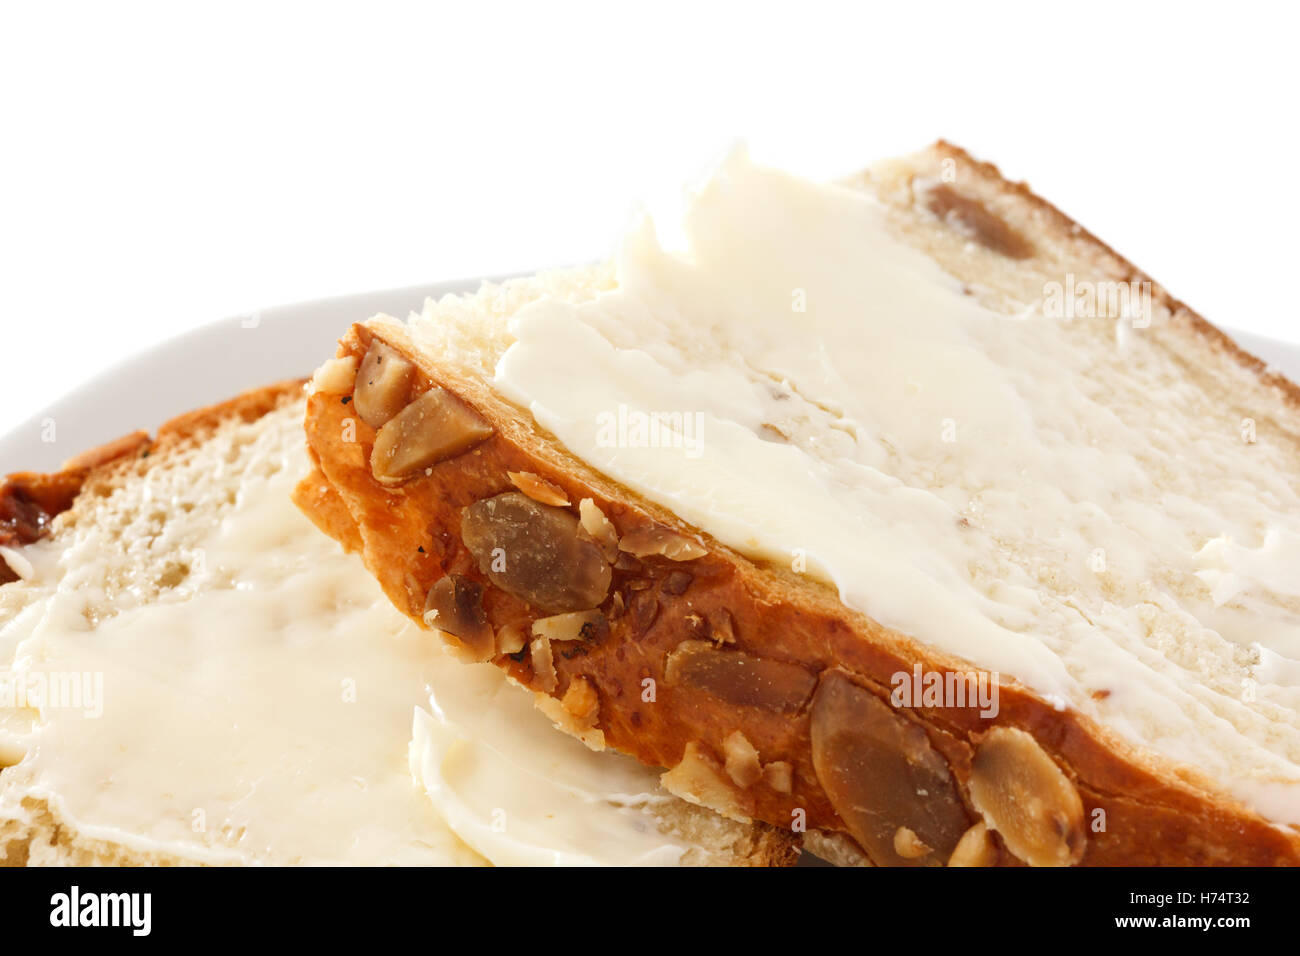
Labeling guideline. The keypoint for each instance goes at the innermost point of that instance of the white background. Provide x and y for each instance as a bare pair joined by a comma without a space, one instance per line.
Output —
162,166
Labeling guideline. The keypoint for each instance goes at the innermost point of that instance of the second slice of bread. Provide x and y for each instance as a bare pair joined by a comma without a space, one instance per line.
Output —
763,691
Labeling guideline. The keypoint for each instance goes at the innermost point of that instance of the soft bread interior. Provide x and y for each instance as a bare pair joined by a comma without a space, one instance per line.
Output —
1158,568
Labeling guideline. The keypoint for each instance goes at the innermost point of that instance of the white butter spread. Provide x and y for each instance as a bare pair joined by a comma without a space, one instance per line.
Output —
1005,487
259,709
488,762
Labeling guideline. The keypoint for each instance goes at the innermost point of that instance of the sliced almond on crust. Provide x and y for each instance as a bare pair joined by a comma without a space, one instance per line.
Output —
535,552
880,773
739,678
433,428
1027,799
661,541
383,384
538,488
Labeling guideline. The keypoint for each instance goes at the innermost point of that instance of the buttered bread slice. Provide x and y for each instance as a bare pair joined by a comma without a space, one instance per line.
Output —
191,673
901,511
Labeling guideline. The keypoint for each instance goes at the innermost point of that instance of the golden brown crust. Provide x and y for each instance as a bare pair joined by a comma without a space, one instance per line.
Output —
1134,810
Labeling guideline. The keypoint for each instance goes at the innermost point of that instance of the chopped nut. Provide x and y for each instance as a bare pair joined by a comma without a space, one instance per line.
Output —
661,541
534,551
975,848
455,606
511,639
908,845
739,678
1027,799
335,377
599,528
543,664
742,762
873,762
779,775
645,611
434,427
382,384
617,605
571,626
581,700
538,488
699,779
676,583
589,734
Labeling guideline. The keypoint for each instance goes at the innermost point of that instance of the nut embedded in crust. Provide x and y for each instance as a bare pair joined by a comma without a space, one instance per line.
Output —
433,428
543,664
573,626
739,678
538,488
975,848
335,377
383,383
454,606
535,552
584,729
908,845
581,701
742,762
599,528
1027,799
699,779
511,639
661,541
779,775
873,762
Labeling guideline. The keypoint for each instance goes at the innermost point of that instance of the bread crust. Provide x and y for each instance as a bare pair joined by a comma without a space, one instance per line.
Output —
30,501
1137,808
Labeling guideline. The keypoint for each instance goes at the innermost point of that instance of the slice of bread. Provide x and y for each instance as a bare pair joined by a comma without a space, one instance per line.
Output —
215,635
1146,715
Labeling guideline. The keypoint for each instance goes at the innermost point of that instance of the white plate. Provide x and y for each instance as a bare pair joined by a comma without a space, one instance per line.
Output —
207,365
219,360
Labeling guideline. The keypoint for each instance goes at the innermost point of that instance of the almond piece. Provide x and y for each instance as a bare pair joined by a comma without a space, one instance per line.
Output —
543,664
538,488
657,540
433,428
599,528
535,552
739,678
383,384
880,773
454,606
741,758
1027,799
699,779
573,626
779,775
975,848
